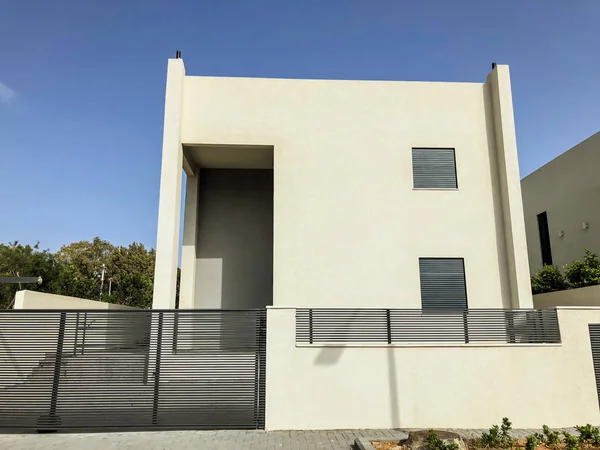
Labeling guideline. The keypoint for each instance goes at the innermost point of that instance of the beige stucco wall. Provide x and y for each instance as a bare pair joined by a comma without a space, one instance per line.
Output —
348,226
586,296
40,300
568,189
462,386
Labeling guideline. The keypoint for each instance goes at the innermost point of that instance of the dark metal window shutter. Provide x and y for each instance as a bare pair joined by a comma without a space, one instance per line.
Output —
434,168
443,283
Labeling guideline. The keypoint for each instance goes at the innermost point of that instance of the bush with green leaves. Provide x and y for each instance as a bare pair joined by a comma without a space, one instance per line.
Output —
584,273
589,434
550,437
498,436
435,443
571,442
548,279
531,442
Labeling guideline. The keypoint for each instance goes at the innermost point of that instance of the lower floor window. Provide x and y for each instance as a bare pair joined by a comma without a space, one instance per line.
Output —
443,283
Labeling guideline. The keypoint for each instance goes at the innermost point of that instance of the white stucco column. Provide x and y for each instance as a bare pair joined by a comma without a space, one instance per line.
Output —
187,287
169,206
498,82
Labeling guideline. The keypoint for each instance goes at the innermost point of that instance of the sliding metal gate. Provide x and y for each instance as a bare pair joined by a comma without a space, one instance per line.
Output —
132,369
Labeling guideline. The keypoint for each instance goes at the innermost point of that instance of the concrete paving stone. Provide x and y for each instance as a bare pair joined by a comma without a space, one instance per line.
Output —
213,440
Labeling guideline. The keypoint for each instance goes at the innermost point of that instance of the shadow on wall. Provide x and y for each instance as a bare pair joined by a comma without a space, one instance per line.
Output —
330,356
495,177
235,238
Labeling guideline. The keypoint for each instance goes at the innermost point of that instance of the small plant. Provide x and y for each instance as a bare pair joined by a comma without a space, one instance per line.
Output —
550,437
548,279
435,443
571,442
498,436
532,442
540,438
589,434
585,272
492,438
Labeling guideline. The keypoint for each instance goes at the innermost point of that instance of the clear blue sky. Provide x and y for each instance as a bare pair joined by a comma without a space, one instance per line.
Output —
82,85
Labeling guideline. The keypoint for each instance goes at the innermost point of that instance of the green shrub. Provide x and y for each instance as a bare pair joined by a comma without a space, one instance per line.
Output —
550,437
435,443
548,279
498,436
589,434
585,272
571,442
532,442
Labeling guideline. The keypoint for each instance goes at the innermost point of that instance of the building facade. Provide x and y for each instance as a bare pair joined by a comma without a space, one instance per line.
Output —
560,201
340,194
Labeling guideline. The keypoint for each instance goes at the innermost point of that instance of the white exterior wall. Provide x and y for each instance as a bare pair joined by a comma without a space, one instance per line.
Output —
348,225
450,386
568,189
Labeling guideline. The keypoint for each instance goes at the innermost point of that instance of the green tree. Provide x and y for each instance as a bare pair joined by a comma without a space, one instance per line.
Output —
76,268
26,261
82,266
584,273
132,272
548,279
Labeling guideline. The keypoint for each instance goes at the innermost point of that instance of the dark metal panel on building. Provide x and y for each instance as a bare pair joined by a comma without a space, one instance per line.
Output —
443,283
434,168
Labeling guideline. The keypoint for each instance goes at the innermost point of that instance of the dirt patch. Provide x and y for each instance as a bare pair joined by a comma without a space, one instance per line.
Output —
387,445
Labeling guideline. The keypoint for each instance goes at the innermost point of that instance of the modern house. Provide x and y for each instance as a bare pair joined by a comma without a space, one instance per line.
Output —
354,256
328,193
562,210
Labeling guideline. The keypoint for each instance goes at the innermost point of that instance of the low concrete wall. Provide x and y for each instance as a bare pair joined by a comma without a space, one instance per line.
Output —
585,296
450,386
40,300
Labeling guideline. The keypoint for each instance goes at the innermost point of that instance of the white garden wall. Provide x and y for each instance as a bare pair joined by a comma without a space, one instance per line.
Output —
450,386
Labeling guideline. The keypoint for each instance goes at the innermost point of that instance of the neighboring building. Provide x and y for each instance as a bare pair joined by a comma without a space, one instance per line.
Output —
326,193
562,209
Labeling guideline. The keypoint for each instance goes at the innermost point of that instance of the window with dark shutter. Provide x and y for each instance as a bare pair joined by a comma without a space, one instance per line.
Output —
443,283
434,168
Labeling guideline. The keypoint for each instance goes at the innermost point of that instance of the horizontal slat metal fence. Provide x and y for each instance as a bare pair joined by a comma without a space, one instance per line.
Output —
202,369
390,326
595,344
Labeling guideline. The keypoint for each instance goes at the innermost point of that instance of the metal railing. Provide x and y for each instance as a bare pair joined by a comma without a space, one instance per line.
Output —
397,326
119,369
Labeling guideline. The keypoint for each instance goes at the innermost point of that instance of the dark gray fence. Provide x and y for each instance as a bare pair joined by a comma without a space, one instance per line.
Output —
389,326
202,369
595,344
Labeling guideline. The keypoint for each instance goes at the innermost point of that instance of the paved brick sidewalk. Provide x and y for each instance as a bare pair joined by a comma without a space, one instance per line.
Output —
205,440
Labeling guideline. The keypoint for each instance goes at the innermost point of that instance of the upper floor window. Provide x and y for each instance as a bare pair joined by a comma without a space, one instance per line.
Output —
434,168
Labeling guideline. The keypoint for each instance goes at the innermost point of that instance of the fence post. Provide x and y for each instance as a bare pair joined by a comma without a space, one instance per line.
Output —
52,419
157,369
259,368
175,330
310,326
466,325
511,326
389,326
